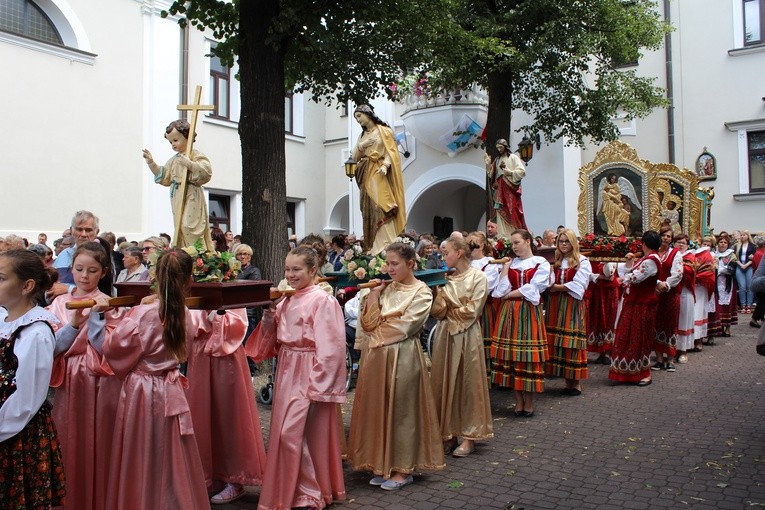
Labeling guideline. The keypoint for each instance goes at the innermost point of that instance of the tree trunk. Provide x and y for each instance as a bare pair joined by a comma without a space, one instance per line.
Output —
500,89
261,130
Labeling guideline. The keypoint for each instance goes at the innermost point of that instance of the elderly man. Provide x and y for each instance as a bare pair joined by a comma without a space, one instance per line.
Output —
548,239
84,229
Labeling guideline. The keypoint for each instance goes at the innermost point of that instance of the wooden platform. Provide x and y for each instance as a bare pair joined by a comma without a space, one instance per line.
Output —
431,277
216,296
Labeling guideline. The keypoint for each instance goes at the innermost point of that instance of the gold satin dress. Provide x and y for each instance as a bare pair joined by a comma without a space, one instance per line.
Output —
458,373
394,426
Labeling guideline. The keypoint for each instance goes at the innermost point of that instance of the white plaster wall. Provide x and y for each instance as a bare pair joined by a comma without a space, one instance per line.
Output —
71,131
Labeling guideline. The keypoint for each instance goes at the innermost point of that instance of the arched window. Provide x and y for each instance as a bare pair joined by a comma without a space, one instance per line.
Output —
25,18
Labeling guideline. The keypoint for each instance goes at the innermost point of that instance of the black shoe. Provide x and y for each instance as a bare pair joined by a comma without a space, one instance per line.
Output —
658,366
670,367
753,323
605,360
644,382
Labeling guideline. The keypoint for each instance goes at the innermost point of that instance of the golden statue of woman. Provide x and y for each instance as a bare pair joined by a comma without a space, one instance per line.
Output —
380,181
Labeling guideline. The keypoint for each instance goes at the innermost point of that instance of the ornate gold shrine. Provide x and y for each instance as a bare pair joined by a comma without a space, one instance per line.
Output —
650,194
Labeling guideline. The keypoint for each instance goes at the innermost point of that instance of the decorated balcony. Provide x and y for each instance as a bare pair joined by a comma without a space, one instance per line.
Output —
448,121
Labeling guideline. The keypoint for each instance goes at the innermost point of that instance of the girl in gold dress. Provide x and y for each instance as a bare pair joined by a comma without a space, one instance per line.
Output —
458,373
394,426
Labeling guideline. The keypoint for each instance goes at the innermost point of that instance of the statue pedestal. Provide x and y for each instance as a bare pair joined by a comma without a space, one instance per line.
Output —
431,277
214,295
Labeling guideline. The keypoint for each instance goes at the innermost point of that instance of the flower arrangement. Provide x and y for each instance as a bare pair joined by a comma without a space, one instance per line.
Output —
412,84
363,266
610,245
503,248
209,266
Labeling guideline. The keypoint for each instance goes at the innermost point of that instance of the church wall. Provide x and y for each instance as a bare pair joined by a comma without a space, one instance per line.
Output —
73,129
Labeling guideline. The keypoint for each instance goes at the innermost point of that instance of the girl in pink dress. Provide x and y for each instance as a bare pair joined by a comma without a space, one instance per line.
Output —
307,332
222,404
155,461
85,401
31,471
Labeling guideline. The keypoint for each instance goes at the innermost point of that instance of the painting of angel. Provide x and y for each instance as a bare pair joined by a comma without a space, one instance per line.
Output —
619,209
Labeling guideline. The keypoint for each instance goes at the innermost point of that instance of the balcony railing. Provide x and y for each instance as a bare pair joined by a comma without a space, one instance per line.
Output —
461,96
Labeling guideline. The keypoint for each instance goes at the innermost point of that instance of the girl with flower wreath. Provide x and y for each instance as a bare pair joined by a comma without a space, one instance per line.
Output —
31,470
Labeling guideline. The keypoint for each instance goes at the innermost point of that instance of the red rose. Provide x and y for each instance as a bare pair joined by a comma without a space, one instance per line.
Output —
200,262
623,238
590,237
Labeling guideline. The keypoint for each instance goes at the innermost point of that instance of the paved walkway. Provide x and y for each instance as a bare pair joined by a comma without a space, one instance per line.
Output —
693,439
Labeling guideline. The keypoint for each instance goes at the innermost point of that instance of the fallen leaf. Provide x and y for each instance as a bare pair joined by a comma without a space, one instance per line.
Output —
456,484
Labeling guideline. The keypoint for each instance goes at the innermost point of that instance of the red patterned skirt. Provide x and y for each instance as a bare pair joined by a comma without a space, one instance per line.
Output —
601,317
665,336
725,315
31,470
488,320
566,337
633,342
519,347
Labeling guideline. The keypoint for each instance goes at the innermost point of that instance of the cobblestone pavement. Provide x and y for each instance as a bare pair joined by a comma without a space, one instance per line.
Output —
692,439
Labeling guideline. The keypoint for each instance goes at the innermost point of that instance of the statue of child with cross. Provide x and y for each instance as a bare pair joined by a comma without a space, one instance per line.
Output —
190,167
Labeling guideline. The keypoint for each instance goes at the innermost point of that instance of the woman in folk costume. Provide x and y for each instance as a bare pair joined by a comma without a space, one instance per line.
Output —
687,300
668,290
86,391
565,314
725,314
481,256
631,355
380,180
458,373
222,404
519,345
394,425
307,332
31,470
155,461
602,306
706,276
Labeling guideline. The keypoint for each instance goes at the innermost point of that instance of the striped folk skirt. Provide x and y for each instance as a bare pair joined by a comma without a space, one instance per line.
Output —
519,347
488,321
566,336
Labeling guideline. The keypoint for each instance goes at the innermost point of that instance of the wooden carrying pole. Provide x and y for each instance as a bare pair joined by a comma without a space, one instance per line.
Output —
194,109
194,302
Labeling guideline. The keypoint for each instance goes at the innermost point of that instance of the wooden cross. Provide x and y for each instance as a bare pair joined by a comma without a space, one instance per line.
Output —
194,108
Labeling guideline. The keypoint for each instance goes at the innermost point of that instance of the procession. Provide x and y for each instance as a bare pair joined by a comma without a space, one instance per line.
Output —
530,287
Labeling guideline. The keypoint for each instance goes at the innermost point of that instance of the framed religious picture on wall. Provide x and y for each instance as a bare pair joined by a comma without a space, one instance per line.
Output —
706,166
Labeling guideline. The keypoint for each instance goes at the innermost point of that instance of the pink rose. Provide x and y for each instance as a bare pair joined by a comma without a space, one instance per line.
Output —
360,273
384,268
351,266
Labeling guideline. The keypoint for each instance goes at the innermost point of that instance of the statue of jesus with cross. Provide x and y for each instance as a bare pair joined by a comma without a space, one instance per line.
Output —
185,174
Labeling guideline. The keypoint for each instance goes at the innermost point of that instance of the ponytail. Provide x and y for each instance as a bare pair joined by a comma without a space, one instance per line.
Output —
173,274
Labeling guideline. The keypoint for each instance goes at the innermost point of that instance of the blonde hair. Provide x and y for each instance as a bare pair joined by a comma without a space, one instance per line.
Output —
573,257
482,243
460,243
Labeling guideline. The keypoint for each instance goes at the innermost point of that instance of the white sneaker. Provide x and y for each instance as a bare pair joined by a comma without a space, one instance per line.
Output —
229,493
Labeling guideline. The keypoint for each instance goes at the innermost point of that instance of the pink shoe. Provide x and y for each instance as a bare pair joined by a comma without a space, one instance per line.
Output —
229,493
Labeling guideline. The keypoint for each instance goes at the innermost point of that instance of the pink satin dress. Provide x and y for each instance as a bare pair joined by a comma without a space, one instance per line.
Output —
222,400
303,465
84,406
155,462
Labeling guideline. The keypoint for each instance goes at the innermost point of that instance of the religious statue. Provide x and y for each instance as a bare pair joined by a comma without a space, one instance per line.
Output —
505,174
380,181
194,169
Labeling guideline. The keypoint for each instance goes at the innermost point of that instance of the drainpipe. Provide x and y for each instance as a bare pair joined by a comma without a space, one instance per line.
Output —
670,87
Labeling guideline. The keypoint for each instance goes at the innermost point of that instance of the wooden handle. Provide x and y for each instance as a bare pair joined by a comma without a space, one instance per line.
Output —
90,303
191,302
370,285
500,261
276,293
327,279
